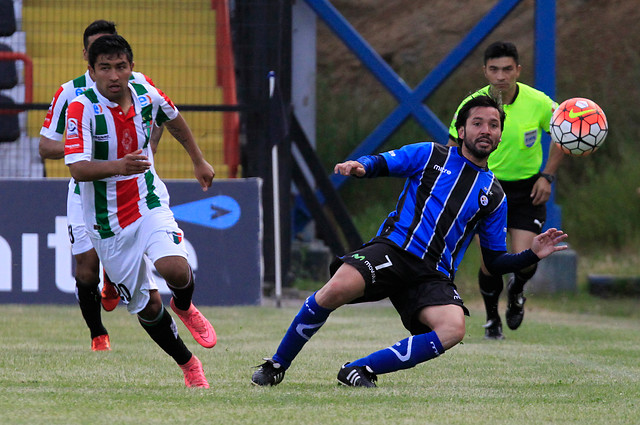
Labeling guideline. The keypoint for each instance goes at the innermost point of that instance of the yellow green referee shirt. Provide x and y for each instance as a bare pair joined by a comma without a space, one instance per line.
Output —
519,154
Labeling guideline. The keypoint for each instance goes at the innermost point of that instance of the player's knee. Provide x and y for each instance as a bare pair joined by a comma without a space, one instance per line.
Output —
88,268
450,333
175,270
153,308
337,293
346,285
87,276
458,333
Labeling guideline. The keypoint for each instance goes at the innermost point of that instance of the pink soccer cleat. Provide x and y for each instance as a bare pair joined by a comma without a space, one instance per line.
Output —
197,324
194,374
101,343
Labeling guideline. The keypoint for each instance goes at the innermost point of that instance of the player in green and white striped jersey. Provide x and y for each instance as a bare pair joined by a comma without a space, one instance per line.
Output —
126,205
51,147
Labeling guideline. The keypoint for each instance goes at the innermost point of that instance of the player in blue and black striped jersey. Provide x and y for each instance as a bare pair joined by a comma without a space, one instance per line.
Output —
449,196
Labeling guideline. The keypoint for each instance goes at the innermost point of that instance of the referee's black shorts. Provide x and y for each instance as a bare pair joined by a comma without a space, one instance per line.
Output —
521,213
408,281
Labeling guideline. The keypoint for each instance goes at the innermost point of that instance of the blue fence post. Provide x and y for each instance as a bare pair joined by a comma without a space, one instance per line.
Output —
545,80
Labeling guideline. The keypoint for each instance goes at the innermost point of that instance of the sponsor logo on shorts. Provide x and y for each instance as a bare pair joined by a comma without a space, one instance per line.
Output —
367,263
456,296
538,223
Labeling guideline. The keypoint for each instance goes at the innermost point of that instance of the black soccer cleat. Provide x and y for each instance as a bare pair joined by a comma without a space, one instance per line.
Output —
515,307
493,329
357,376
269,373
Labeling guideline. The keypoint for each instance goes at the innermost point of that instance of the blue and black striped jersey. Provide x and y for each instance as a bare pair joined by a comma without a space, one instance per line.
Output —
445,200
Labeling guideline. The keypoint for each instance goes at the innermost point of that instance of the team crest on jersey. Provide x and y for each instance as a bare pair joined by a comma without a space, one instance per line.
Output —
484,198
176,237
97,109
144,100
127,141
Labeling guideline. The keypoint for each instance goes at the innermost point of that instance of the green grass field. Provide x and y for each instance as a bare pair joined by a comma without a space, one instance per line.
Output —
559,368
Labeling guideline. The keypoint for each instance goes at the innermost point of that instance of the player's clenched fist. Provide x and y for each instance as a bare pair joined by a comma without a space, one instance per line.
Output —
204,174
350,168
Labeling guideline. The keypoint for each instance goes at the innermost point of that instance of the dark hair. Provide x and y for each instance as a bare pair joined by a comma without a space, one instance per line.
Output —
482,101
109,45
501,49
98,27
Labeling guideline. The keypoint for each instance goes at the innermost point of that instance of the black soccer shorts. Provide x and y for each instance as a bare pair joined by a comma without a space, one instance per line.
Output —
408,281
521,213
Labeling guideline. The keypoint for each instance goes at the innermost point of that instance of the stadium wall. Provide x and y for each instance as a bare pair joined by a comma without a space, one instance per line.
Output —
222,227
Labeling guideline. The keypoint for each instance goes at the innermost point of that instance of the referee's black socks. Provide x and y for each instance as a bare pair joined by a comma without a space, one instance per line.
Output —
490,288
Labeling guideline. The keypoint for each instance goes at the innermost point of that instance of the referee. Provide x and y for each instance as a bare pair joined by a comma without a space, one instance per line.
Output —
517,164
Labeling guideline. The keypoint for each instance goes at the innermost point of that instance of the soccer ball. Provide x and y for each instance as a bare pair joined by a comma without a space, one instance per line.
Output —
578,126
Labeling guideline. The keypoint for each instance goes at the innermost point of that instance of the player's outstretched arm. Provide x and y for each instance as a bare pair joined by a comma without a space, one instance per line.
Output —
546,243
50,149
182,133
130,164
350,168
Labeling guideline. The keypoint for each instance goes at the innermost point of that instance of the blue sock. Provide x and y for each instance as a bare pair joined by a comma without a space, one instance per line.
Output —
306,323
403,354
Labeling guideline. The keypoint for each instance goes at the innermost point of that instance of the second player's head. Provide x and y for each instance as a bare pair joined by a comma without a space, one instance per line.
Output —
95,30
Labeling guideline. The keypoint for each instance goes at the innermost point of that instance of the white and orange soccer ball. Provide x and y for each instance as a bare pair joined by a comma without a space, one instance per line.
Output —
578,126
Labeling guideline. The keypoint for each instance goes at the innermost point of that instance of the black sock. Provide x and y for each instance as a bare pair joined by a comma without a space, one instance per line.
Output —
164,332
520,278
89,301
182,296
490,288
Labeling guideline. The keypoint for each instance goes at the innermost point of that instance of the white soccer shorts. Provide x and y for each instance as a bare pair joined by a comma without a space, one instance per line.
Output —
78,235
155,234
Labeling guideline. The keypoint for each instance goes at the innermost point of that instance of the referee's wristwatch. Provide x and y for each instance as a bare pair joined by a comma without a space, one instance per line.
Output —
549,177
